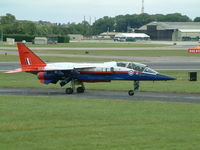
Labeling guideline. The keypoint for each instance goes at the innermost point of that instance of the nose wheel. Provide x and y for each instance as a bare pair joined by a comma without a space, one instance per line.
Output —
136,87
131,93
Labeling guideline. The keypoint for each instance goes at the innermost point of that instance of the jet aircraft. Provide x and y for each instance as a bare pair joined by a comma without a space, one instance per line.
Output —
78,73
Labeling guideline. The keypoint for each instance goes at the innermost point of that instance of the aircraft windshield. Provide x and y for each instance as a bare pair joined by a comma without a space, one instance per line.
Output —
136,66
122,64
149,70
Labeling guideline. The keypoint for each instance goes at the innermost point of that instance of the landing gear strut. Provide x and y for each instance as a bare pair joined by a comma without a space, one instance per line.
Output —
135,88
71,90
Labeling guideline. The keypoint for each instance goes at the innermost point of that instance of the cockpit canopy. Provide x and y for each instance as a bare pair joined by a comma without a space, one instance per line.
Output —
136,66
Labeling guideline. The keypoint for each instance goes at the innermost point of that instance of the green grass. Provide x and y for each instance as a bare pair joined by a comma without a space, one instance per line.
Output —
46,123
134,53
8,58
97,44
181,85
149,53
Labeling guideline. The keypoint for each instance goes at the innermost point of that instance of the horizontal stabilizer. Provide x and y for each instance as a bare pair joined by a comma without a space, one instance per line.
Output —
15,70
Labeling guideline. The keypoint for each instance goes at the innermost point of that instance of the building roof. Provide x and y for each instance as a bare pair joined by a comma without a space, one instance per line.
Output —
132,35
109,33
40,38
173,25
190,30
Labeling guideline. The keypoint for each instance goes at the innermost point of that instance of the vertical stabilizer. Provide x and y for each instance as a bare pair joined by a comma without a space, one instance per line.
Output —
27,58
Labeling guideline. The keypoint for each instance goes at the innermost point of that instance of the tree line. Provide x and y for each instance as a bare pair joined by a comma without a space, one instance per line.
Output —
10,25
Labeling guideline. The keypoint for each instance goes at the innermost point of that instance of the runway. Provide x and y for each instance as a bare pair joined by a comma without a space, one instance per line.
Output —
96,94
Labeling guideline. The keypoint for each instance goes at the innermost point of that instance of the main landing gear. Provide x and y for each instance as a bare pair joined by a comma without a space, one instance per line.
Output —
71,89
135,88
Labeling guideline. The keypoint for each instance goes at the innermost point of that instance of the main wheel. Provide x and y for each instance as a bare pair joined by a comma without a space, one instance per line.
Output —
131,93
69,91
80,90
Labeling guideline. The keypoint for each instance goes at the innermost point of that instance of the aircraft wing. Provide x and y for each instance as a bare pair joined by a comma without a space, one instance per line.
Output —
51,67
66,66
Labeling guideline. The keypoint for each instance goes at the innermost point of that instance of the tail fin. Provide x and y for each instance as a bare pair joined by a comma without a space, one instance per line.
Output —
28,58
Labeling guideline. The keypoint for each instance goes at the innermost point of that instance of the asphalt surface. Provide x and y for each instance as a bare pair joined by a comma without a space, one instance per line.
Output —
6,66
93,94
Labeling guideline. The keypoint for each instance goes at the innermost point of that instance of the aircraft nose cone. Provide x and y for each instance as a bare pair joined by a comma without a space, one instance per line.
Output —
164,77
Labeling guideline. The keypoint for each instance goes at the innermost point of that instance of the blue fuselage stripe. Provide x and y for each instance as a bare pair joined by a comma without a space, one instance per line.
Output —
115,76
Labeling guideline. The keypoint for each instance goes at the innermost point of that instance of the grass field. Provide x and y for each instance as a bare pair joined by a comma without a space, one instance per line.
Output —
97,44
45,123
181,85
134,53
149,53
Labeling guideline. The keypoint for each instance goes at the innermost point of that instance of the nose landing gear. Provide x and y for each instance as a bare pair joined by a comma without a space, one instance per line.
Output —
136,87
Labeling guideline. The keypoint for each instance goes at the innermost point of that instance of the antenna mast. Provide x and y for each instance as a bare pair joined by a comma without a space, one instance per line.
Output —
142,10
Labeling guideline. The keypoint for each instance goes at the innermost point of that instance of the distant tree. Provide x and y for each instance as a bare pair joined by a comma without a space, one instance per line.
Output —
120,23
29,27
43,30
158,17
144,19
8,24
197,19
103,25
81,28
8,19
176,17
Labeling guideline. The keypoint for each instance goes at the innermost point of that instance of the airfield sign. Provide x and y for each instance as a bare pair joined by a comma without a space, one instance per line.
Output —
194,50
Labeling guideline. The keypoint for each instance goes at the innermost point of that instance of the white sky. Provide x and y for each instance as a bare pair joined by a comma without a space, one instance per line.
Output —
64,11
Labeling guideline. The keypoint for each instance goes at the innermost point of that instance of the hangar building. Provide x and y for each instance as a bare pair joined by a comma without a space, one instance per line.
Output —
172,31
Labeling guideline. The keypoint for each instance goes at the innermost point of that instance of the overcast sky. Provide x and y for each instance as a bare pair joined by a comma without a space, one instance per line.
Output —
64,11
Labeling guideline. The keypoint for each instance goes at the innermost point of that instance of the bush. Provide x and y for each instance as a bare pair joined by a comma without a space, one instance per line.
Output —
30,38
19,37
63,39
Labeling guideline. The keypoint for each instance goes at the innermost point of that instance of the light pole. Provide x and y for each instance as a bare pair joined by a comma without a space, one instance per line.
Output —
1,33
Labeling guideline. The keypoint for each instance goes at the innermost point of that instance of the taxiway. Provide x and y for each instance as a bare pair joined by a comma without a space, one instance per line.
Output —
98,94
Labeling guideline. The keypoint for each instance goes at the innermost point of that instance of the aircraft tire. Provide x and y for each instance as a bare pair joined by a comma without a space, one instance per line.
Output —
69,91
80,90
131,93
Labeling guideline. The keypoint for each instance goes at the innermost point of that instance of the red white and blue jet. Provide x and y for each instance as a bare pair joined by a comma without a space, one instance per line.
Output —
78,73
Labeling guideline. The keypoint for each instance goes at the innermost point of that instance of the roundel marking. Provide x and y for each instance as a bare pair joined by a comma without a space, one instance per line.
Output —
130,73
